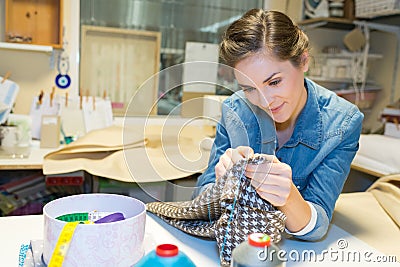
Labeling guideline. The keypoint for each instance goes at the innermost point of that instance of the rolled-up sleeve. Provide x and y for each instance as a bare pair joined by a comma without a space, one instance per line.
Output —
327,180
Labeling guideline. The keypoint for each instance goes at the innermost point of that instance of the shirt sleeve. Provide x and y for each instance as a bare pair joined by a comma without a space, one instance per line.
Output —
328,179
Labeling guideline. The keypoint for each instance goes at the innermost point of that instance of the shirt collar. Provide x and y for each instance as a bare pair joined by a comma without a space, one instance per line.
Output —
308,128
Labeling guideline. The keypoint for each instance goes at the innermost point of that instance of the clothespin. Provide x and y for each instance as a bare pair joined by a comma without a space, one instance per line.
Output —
94,103
8,74
52,95
40,98
87,95
105,94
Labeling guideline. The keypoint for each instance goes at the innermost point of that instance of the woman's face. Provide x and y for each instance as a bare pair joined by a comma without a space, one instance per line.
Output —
277,87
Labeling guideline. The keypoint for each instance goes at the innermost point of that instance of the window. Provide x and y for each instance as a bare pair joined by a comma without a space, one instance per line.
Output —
179,21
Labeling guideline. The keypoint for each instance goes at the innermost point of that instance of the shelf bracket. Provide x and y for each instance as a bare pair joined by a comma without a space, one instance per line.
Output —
52,60
314,25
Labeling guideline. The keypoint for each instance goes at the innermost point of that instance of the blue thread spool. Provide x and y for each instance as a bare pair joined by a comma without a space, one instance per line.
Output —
256,251
166,255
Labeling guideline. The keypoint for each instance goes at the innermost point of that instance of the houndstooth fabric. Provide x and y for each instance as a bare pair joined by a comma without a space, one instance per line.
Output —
227,211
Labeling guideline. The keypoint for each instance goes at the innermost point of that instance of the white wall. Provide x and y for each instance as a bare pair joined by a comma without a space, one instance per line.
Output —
293,8
36,71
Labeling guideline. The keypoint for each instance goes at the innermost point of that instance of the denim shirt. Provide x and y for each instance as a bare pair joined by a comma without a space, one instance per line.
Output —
320,150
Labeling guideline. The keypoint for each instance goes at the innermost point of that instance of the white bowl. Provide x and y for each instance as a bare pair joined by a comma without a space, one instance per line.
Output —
117,243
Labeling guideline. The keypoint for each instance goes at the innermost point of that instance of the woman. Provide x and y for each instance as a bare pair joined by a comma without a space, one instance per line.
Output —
316,135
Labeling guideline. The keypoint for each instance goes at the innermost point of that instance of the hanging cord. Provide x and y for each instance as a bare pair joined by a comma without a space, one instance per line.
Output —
360,67
63,59
365,60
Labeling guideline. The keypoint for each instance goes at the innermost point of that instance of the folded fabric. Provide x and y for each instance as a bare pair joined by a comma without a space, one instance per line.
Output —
361,215
227,211
133,154
104,140
386,190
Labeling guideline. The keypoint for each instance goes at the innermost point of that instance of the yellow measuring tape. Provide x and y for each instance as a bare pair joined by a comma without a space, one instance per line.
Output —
64,240
72,220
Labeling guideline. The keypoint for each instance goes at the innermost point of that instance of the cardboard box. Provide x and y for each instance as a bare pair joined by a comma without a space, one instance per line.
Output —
50,131
192,104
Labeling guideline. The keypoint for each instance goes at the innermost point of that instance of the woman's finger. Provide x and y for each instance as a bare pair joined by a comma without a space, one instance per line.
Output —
275,200
230,157
220,170
236,156
226,160
245,151
272,184
279,168
263,169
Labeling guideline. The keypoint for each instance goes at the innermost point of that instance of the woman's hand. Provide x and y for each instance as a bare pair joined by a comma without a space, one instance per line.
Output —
230,157
271,179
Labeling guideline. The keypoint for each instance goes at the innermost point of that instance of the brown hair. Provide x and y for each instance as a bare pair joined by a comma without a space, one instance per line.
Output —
257,30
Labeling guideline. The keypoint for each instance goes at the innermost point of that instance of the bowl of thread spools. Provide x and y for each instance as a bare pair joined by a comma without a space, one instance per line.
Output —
94,230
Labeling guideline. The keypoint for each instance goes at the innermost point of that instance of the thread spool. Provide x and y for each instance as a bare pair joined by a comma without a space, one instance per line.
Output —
256,251
166,255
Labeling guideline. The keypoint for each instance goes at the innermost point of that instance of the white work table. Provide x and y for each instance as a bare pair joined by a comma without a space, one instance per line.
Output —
34,160
18,230
378,155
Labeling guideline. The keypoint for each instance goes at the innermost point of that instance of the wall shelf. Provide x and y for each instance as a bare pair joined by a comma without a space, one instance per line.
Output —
393,19
386,23
331,23
349,55
26,47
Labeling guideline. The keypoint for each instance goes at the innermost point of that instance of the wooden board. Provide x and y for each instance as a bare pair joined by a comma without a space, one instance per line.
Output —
41,20
119,62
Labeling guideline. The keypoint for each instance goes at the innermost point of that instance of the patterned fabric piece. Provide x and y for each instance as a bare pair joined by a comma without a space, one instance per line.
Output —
227,211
